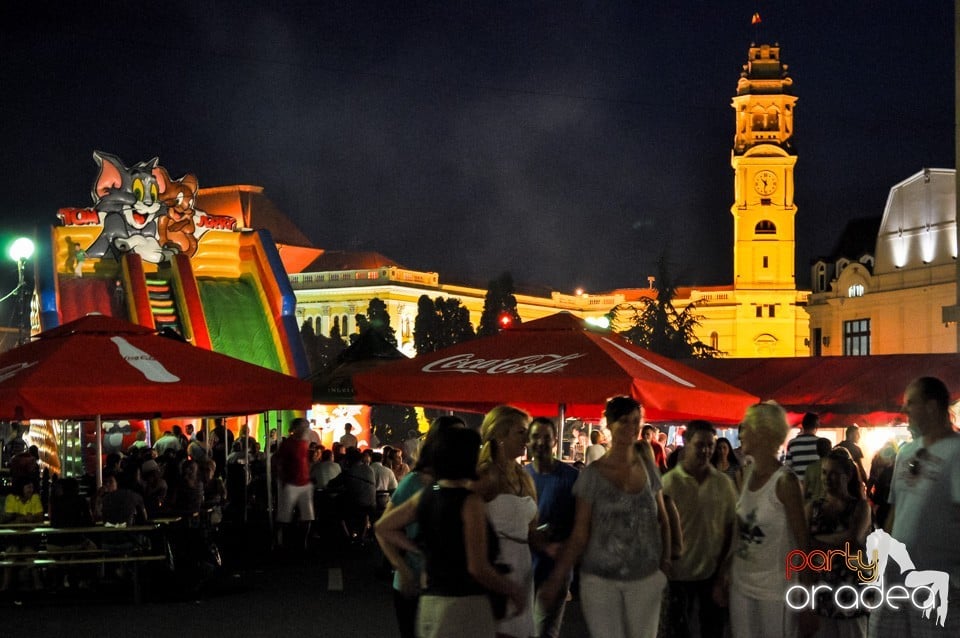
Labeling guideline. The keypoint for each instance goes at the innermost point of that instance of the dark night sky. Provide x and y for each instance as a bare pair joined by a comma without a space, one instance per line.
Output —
566,142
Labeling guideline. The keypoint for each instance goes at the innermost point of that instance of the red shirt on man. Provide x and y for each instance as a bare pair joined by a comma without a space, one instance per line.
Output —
293,461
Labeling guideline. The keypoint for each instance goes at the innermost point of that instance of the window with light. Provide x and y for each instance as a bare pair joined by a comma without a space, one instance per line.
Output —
856,290
856,338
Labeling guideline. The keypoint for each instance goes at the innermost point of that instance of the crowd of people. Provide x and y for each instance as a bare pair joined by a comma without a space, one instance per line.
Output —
491,534
690,541
180,478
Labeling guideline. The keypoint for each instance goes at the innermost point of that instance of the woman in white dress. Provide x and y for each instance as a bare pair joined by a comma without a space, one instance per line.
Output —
511,506
771,524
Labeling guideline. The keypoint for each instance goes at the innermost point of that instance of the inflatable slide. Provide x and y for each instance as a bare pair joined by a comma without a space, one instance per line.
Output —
145,253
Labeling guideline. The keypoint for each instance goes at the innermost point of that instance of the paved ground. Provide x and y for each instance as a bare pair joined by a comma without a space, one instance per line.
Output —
334,592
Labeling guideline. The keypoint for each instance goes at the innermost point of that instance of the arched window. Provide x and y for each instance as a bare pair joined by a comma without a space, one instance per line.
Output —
856,290
773,121
821,277
714,340
765,227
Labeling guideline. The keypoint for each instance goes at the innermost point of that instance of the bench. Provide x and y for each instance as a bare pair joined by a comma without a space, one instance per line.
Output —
67,557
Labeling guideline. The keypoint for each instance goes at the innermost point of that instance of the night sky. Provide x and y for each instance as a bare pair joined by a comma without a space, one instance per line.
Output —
566,142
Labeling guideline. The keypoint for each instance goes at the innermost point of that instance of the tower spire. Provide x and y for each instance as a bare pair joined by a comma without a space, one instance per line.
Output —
763,159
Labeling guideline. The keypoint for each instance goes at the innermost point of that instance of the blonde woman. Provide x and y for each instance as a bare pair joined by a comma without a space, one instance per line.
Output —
511,506
771,523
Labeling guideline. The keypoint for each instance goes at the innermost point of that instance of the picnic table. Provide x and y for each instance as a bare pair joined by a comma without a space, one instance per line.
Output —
105,552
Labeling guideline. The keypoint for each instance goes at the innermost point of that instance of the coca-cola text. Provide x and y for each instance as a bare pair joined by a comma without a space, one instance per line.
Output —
530,364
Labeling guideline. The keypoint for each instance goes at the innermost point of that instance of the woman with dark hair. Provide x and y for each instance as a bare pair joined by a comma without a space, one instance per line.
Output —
457,543
188,497
725,460
406,581
622,532
839,521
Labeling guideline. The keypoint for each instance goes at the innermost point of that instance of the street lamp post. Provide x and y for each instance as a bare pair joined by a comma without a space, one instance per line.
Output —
20,251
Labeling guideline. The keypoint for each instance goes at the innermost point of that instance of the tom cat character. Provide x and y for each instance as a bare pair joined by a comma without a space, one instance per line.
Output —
129,199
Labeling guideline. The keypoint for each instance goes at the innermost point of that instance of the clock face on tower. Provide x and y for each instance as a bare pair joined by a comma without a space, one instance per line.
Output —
765,182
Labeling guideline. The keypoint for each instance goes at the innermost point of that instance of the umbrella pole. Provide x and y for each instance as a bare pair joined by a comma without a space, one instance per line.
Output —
62,447
273,538
563,409
99,452
246,468
206,437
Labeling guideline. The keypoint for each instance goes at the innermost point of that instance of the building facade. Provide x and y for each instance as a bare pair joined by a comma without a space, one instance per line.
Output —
889,300
762,313
333,297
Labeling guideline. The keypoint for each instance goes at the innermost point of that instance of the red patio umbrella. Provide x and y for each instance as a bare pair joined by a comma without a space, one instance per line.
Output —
843,390
105,367
335,384
550,363
100,367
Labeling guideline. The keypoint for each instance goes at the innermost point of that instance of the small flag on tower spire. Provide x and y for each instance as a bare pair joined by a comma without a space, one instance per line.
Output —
756,18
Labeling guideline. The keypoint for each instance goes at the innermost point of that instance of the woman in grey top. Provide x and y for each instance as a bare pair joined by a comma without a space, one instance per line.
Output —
621,532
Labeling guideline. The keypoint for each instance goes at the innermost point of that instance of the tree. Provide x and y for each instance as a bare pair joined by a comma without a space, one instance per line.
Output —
309,339
425,326
322,352
327,352
363,324
440,323
335,329
658,326
454,324
376,319
499,306
391,422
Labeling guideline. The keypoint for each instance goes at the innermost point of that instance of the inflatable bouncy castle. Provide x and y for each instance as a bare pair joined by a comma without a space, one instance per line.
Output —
144,251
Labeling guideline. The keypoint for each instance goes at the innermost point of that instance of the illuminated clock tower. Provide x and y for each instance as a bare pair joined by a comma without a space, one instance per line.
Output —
763,159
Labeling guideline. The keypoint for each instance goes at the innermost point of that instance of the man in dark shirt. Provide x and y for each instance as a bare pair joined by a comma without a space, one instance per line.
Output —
555,504
120,506
359,495
69,509
850,445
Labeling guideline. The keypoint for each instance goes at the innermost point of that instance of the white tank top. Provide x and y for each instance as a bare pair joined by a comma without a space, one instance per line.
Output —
764,540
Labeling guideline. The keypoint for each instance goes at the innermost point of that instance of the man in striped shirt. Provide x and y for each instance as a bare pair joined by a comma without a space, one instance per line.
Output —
802,450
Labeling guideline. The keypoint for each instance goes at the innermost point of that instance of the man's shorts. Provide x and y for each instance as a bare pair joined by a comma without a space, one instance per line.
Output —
295,496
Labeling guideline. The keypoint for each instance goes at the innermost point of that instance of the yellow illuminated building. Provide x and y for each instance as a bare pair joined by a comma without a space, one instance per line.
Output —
887,297
339,285
762,314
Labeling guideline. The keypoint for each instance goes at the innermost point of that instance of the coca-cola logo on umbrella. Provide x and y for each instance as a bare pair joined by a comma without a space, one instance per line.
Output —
468,363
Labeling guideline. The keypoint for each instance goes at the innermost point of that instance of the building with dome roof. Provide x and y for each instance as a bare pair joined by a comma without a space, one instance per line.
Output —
888,297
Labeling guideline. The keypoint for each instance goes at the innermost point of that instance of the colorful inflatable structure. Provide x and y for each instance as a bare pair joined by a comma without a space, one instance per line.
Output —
146,253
